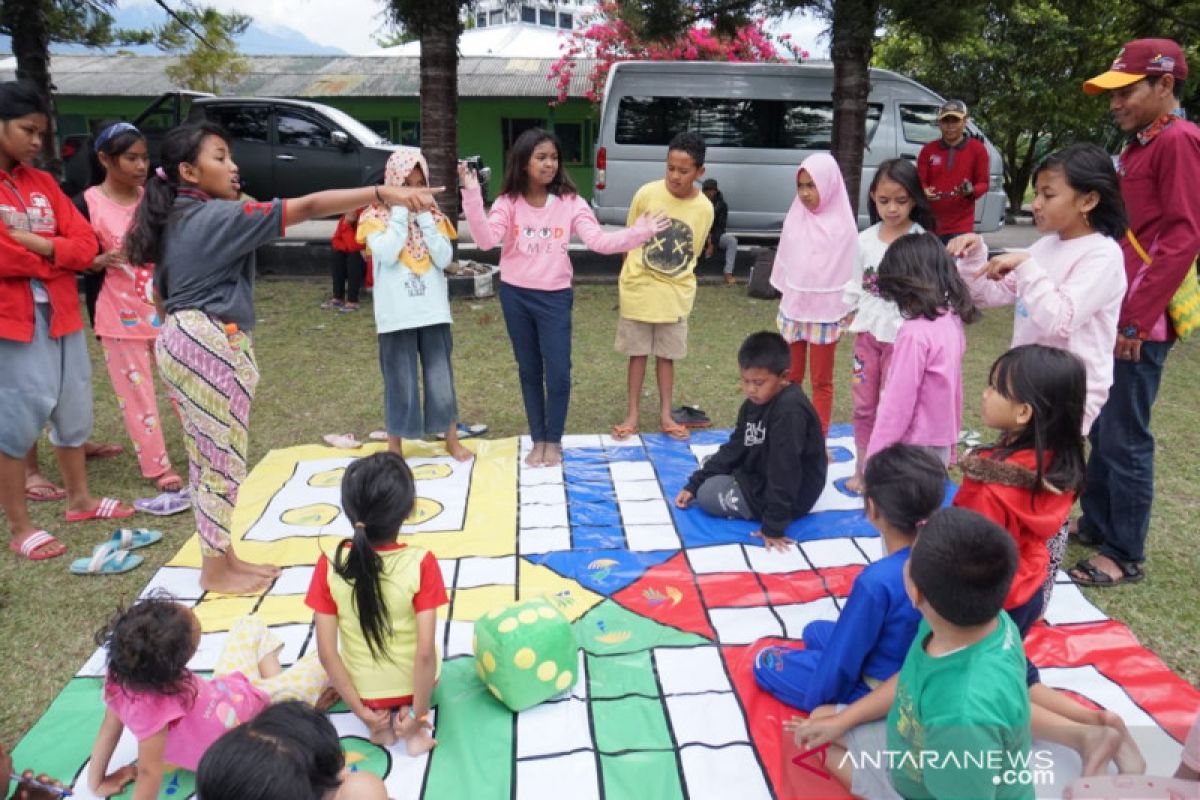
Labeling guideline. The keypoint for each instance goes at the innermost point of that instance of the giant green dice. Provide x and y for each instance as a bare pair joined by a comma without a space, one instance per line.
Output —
525,653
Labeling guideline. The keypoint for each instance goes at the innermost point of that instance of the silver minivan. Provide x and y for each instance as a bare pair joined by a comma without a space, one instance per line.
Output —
759,121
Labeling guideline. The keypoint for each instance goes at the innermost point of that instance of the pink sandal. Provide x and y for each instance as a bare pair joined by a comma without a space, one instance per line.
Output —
107,508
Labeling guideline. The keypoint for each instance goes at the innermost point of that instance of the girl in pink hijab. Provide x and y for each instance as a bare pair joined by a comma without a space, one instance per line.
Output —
816,255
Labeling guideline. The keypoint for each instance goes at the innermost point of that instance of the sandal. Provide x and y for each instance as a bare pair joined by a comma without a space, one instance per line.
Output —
105,508
134,538
33,548
622,431
102,450
165,504
106,560
466,431
169,481
676,432
378,436
691,417
1085,573
342,441
38,488
332,304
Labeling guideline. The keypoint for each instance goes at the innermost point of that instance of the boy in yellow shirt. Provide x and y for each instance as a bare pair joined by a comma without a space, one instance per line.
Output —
657,286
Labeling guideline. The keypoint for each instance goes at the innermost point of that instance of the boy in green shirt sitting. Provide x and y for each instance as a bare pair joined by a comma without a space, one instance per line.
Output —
958,711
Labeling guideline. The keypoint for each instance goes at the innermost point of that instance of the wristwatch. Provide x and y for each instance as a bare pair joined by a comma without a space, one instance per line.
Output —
1131,332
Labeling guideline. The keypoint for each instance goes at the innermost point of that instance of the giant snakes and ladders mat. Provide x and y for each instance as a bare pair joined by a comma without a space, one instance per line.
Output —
667,606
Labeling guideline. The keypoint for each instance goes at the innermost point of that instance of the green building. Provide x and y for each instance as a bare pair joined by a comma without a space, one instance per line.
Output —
498,98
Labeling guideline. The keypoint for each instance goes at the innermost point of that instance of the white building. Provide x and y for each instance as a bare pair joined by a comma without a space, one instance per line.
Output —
507,29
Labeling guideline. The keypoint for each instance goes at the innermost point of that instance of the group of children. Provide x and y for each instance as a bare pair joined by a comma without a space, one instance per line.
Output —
958,591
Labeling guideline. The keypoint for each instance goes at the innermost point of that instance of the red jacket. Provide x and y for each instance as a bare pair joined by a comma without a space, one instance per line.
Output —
943,169
345,237
1002,492
30,199
1158,183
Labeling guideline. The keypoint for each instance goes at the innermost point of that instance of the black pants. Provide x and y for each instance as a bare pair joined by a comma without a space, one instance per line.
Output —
93,282
348,271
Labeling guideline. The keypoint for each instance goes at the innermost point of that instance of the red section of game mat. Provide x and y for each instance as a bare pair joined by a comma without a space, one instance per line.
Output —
667,593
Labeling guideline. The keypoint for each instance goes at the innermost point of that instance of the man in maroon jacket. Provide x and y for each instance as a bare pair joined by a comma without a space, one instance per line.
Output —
1159,171
954,172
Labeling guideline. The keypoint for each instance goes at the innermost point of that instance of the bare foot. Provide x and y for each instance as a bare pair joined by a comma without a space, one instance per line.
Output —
384,737
855,484
458,452
536,455
328,699
551,454
226,574
1129,759
420,742
1099,747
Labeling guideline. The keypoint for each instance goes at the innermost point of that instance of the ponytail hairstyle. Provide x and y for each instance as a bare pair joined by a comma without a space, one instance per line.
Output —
1053,383
516,166
903,172
918,275
377,496
1087,168
181,145
112,138
906,484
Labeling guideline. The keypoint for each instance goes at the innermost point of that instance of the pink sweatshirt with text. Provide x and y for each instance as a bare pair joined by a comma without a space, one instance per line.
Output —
534,241
922,393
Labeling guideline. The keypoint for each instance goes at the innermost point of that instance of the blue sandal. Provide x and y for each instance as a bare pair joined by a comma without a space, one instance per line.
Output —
134,538
106,560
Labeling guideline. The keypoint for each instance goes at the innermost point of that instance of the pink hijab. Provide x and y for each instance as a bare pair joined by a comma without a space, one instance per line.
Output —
817,249
415,255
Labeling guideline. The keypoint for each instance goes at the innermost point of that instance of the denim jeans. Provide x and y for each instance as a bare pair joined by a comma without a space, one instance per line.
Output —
1120,471
409,354
539,325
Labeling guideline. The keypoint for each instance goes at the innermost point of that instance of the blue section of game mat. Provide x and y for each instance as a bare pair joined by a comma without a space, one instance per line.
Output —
601,571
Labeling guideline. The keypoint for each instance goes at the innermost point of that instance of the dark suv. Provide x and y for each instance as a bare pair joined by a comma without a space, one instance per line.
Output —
283,148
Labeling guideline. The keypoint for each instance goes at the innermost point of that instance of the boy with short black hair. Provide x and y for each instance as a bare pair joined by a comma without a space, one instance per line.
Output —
773,466
958,711
657,286
717,237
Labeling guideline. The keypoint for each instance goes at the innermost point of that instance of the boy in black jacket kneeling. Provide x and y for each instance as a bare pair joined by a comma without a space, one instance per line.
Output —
773,466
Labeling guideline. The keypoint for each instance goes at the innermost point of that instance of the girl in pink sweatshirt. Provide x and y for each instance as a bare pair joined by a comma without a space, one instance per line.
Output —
922,393
532,220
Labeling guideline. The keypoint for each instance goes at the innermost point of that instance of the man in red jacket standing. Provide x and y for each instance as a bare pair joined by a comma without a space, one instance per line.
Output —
1159,170
954,172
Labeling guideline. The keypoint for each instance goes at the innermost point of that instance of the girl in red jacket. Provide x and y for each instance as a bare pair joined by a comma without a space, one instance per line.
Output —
44,243
1026,483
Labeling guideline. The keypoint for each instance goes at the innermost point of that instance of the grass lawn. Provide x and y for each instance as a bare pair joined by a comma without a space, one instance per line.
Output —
320,375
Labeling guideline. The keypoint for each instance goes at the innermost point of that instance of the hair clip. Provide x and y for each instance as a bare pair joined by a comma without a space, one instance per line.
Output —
920,523
161,173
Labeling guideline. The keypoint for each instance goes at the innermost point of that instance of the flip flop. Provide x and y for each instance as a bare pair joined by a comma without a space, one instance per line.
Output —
32,547
165,504
43,490
1085,573
103,450
134,538
466,431
676,432
622,432
106,560
106,508
378,436
691,417
342,441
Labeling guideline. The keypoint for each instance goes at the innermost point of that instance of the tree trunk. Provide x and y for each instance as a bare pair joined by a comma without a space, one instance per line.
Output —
31,46
854,23
439,102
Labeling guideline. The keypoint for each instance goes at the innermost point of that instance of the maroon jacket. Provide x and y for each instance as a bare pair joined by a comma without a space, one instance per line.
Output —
1158,182
30,199
943,168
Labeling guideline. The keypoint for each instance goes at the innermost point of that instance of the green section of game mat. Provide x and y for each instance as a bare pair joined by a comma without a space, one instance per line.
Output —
474,757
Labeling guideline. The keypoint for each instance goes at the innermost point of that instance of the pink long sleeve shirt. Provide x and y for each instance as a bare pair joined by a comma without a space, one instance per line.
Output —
534,241
1067,295
922,394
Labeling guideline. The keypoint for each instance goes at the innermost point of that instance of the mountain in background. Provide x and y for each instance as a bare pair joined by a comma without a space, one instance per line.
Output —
256,41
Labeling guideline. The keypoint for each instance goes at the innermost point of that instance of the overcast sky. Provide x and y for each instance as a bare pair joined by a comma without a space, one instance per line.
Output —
352,24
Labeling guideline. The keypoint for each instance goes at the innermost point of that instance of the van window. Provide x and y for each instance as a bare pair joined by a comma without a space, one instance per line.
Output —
919,123
732,122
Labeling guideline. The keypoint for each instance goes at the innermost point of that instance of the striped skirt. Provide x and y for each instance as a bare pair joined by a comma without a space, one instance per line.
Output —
212,376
